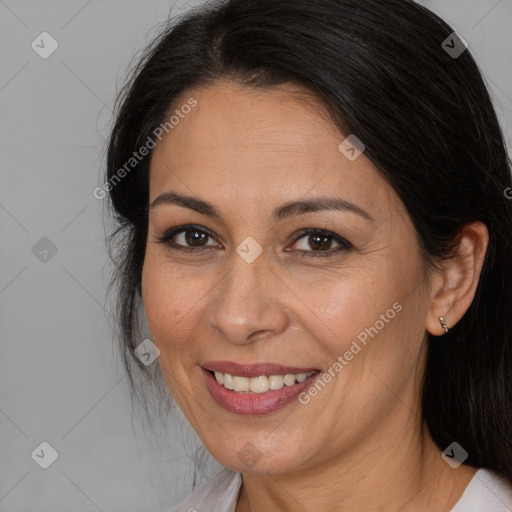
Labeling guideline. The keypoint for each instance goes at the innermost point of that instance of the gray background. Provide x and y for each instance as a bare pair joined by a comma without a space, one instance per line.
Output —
61,380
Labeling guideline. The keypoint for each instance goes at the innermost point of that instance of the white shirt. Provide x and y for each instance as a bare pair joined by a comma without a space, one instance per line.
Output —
486,492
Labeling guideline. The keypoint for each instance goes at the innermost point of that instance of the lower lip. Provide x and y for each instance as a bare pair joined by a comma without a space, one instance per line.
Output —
254,403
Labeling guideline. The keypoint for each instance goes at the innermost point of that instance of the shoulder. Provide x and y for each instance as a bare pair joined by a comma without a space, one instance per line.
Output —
486,492
219,494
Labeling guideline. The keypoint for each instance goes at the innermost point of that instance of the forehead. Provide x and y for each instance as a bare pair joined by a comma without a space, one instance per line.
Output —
277,143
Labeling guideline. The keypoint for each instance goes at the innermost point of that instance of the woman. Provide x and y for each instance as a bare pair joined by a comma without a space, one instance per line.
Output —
313,209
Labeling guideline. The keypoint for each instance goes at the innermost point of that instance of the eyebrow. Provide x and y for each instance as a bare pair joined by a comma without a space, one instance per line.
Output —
313,204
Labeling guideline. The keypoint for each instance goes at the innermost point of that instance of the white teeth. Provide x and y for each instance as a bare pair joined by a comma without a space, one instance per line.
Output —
240,383
289,379
260,384
276,382
228,381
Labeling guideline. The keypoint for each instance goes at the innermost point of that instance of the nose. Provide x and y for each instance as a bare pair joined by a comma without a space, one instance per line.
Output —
249,302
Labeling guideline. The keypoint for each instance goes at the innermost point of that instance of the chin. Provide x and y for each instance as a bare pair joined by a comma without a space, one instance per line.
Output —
249,455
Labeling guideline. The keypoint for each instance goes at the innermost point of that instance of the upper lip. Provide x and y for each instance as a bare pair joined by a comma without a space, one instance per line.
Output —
253,369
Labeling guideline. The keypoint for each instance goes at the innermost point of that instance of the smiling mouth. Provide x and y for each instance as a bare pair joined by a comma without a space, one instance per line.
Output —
256,388
261,383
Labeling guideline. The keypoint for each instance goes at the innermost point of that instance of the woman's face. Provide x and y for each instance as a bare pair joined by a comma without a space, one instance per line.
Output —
252,300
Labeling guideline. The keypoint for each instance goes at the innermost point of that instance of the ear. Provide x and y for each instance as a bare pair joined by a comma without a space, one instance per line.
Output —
453,289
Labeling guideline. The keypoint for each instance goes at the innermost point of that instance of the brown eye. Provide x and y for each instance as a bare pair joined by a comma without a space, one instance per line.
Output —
318,242
195,238
321,242
186,238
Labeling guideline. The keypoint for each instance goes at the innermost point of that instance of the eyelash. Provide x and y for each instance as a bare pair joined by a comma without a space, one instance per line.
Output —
343,244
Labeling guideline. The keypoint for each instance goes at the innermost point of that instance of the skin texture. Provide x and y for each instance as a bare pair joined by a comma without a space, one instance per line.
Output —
358,444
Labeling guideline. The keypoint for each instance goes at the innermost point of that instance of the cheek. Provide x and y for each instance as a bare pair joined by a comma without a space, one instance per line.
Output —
369,326
169,309
174,300
373,336
337,307
166,302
